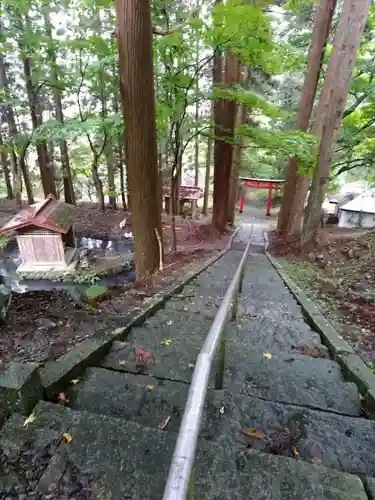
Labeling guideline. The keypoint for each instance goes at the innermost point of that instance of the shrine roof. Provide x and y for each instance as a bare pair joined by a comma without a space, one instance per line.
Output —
51,214
275,181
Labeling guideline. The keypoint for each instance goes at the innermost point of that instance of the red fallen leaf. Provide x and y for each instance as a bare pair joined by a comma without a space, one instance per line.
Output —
142,357
63,399
253,433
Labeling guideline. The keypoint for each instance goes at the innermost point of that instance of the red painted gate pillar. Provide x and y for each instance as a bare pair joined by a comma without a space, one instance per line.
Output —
269,201
242,204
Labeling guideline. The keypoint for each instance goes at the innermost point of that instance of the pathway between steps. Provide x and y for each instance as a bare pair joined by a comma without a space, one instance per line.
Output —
286,426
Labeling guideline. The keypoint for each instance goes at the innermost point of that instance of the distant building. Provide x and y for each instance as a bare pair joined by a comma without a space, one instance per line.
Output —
45,236
359,212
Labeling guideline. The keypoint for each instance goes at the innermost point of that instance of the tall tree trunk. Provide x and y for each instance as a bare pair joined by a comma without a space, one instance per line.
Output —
295,187
69,194
108,149
97,183
8,115
226,115
237,154
207,175
111,166
122,179
26,177
196,142
4,160
332,104
134,34
121,159
46,171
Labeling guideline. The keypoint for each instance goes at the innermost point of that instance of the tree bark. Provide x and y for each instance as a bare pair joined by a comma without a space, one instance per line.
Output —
26,177
122,177
97,183
8,114
295,187
134,36
207,175
332,104
108,149
46,171
224,124
196,142
237,153
111,166
69,194
4,160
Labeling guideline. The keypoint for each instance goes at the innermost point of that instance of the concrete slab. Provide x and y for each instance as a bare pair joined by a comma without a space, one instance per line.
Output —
269,477
339,442
114,458
294,379
20,387
26,449
56,375
146,400
275,336
174,341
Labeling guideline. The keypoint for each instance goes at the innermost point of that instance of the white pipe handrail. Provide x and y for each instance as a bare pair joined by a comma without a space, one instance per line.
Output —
184,454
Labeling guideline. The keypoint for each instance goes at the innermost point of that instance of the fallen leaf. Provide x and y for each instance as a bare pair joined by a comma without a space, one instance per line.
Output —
67,438
169,323
222,410
142,357
30,419
166,342
122,363
313,352
149,387
253,433
62,398
75,381
267,355
295,451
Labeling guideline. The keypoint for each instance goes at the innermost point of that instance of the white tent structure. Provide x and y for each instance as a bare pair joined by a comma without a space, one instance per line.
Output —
359,212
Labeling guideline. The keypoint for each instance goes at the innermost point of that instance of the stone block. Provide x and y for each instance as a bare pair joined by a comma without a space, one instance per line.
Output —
370,487
356,370
20,387
57,374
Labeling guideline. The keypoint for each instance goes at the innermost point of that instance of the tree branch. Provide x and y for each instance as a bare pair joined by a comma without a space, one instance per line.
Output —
163,32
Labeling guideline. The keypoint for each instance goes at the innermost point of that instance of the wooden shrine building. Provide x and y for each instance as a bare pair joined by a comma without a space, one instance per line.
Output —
45,237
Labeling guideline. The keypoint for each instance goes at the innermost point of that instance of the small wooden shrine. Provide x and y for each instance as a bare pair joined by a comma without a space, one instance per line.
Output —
45,236
187,194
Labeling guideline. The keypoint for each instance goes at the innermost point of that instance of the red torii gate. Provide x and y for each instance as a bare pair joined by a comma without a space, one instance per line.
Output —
270,184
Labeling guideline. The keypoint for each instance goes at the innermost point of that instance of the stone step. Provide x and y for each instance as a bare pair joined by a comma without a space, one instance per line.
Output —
313,383
340,442
144,399
174,340
290,378
104,457
282,335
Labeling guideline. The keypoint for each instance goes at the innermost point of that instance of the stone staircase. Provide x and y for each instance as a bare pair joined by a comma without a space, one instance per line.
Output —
286,426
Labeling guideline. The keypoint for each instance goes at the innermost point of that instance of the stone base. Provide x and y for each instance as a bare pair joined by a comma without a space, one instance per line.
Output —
20,387
71,261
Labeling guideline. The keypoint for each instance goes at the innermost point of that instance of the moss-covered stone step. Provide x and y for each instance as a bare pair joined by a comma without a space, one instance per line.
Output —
64,453
172,341
153,402
319,437
290,378
141,398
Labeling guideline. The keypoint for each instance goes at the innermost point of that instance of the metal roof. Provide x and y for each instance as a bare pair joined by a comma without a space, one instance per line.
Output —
362,203
51,214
